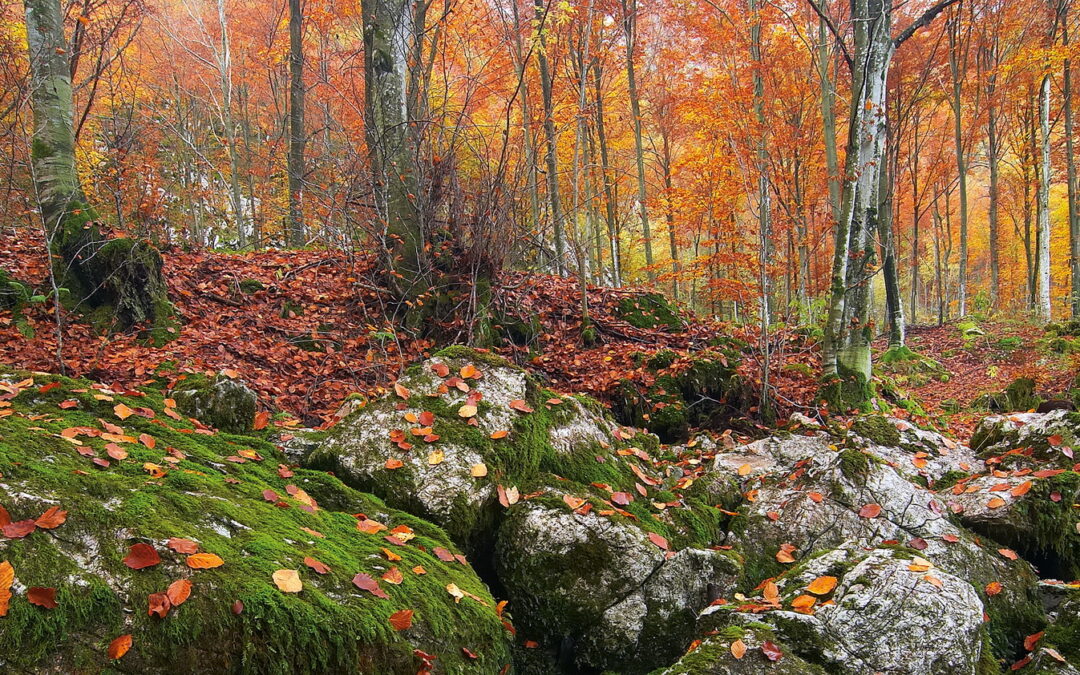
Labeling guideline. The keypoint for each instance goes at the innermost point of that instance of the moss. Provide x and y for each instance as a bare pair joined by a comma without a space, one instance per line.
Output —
250,286
877,430
902,361
1064,633
1019,395
854,464
648,310
222,402
476,356
1052,533
330,626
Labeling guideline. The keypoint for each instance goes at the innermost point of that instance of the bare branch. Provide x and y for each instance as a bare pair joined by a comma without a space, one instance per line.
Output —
924,20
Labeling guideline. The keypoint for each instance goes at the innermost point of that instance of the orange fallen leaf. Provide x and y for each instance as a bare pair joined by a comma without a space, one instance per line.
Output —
822,585
870,511
993,588
738,649
119,647
179,591
42,597
401,619
204,561
288,581
51,519
141,556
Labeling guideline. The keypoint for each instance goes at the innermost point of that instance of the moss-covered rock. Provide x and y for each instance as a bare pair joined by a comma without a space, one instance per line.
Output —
648,310
222,402
685,392
233,496
601,584
909,368
121,286
1018,396
251,286
714,655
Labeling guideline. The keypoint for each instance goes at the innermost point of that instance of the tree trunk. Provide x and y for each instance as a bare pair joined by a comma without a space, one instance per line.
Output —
297,133
549,137
1043,307
224,55
630,32
828,119
609,185
121,273
1074,216
388,27
669,212
961,159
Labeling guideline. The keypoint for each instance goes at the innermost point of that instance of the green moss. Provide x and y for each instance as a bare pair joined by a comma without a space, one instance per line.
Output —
330,626
1064,633
648,310
877,430
854,464
222,402
250,286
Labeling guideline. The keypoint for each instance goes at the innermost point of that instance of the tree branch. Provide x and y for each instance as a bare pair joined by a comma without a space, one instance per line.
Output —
832,29
927,16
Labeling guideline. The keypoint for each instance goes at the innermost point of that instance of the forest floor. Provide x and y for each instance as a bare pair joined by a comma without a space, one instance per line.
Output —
314,329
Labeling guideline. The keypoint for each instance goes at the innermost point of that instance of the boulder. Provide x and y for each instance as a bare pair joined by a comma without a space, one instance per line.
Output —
111,494
817,495
600,584
222,402
1031,440
889,611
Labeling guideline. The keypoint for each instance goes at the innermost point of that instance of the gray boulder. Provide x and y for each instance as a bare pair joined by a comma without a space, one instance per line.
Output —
222,402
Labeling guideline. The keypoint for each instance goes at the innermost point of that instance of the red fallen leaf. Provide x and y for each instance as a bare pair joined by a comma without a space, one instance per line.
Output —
870,511
466,652
993,588
46,388
531,644
284,471
178,592
1055,496
1032,640
18,529
402,619
119,647
262,418
68,404
316,565
918,543
816,497
520,406
1048,473
951,538
42,597
141,556
771,651
621,498
440,369
1008,553
442,554
426,418
159,605
184,546
658,540
365,583
116,452
394,463
148,440
1023,662
270,496
5,519
1055,440
103,463
51,519
238,607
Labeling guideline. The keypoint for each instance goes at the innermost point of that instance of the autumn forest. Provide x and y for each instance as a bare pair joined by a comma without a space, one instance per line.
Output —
667,337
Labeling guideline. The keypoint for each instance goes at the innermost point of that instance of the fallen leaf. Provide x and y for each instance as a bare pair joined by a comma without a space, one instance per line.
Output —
1032,640
467,411
822,585
738,649
42,597
436,457
1021,489
122,411
179,591
159,605
658,540
393,576
993,588
478,470
520,406
995,503
316,565
262,418
183,546
119,647
501,433
771,651
204,561
141,556
288,581
870,511
456,592
366,583
401,619
51,519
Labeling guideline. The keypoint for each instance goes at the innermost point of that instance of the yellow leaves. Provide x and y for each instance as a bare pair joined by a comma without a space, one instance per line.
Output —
204,561
456,592
920,564
822,585
467,411
288,581
745,469
738,649
436,457
478,470
804,604
122,411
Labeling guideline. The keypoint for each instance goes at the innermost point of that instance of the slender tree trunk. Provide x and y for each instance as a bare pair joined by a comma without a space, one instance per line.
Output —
994,155
630,32
609,185
893,301
763,205
669,213
828,119
526,125
224,54
961,159
1070,160
297,133
549,137
1043,307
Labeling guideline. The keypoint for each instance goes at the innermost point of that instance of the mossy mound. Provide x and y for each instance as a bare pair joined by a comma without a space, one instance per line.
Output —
648,310
714,656
150,477
700,391
251,286
221,402
909,368
1019,396
12,293
122,287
